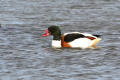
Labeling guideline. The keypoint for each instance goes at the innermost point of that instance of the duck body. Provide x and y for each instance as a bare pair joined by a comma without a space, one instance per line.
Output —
71,39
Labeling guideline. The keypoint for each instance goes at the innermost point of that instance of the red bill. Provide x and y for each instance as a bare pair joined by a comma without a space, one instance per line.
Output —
46,33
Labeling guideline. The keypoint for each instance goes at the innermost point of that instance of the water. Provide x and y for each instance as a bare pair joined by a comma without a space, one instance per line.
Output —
25,55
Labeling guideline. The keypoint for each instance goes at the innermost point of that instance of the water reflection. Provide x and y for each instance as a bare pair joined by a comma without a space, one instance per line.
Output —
25,55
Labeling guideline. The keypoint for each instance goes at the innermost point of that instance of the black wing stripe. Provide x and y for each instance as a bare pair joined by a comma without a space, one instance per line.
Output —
71,37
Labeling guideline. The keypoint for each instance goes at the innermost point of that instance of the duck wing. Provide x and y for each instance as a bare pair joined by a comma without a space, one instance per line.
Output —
72,37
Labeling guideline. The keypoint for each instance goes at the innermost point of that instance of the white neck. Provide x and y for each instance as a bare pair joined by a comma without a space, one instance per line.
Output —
56,43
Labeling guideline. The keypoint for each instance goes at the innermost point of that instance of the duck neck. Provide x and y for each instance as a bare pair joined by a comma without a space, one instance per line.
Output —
57,36
56,42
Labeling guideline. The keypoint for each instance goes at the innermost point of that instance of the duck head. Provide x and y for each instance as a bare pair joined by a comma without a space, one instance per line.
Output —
54,31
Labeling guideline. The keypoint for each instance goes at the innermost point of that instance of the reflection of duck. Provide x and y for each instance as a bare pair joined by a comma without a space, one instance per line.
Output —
71,39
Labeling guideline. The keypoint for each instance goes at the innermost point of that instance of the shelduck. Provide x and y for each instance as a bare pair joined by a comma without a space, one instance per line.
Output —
71,39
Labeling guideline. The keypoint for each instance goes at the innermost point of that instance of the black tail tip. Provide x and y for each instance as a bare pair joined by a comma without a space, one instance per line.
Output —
97,35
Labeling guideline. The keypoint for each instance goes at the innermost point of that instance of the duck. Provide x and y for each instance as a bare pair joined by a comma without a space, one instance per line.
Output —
71,39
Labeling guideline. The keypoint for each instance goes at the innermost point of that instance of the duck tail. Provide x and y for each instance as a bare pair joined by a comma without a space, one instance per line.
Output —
97,35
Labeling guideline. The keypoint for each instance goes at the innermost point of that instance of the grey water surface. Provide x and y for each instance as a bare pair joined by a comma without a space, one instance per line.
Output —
26,55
